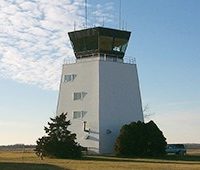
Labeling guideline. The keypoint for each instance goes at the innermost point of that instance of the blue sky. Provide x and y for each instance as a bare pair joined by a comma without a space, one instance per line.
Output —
33,44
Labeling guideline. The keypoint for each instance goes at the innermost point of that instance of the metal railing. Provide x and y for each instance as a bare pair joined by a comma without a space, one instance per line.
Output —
101,57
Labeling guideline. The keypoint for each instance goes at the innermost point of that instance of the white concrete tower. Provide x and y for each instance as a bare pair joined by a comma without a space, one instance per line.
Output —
100,91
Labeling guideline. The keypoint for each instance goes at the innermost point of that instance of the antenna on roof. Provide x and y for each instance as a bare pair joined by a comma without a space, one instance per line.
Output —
120,10
74,25
123,25
85,13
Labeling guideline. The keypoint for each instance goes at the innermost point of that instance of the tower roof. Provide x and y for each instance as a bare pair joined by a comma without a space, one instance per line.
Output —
101,40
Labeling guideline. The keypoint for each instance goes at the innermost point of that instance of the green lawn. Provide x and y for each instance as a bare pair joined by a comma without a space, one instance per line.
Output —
28,161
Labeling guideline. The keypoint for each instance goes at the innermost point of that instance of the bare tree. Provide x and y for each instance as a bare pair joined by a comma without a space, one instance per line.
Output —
147,112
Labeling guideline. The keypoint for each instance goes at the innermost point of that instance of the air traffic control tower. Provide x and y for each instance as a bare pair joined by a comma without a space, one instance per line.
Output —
100,91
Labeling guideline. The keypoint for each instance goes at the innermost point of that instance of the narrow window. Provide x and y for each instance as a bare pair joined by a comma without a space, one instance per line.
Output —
69,78
79,114
79,95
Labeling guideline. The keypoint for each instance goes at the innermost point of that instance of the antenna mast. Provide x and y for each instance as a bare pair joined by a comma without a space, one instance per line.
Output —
85,13
120,10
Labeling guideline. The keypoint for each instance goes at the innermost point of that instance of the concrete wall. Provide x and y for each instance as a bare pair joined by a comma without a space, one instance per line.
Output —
86,80
112,100
120,101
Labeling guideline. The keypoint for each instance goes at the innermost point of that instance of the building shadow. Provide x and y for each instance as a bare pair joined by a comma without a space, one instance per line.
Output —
28,166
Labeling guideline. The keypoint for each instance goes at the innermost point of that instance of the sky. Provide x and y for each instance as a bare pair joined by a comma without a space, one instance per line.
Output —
34,43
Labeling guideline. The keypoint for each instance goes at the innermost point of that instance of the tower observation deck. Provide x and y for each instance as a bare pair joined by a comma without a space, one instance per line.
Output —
99,41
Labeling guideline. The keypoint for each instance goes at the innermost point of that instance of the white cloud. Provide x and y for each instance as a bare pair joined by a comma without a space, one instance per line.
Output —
103,13
33,37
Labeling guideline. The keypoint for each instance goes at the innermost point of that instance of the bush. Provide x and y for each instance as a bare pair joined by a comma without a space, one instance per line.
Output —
59,142
140,139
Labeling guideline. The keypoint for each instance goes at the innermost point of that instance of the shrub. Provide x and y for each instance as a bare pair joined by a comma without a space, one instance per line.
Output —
59,142
140,139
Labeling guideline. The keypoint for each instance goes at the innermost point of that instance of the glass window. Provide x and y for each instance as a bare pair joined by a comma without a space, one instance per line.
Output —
123,49
85,43
79,95
120,45
79,44
105,43
69,78
79,114
91,43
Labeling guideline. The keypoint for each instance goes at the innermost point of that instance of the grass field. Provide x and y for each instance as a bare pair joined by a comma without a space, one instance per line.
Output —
28,161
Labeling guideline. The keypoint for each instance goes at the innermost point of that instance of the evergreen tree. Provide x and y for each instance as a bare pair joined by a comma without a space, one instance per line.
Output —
140,139
59,142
